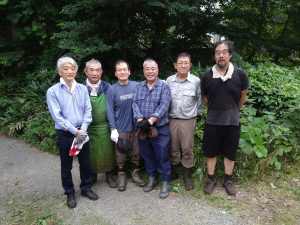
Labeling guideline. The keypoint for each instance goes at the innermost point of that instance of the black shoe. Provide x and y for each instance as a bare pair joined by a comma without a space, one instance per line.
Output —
71,202
90,195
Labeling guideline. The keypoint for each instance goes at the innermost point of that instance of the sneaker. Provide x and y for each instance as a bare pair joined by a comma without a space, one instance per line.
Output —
229,187
71,202
209,186
90,195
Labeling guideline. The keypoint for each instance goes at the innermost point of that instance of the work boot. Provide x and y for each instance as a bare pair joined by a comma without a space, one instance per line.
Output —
111,181
137,179
210,185
164,191
174,174
71,202
150,185
187,177
229,186
121,181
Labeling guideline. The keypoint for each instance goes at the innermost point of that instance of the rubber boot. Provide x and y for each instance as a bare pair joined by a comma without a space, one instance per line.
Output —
174,174
121,178
135,175
187,177
150,185
111,180
164,191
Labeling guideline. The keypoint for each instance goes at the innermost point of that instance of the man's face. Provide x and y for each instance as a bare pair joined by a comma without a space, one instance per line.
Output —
122,72
183,65
222,56
68,72
150,71
94,73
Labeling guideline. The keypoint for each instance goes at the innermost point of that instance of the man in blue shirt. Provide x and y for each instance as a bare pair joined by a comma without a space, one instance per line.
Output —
120,116
150,108
70,108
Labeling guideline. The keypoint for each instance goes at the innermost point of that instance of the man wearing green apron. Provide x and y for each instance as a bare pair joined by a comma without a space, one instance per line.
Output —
102,153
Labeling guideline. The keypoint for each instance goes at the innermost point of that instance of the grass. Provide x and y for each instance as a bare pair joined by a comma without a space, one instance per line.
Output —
272,198
24,210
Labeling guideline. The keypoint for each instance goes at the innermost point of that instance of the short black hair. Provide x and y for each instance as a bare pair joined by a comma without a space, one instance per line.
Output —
121,61
226,42
183,54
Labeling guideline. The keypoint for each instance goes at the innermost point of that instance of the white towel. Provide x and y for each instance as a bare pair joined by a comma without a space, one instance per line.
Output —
228,74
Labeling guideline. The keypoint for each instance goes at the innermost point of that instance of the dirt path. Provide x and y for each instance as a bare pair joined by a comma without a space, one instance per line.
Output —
29,173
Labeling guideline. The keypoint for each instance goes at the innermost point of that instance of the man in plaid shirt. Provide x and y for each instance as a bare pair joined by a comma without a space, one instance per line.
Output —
150,110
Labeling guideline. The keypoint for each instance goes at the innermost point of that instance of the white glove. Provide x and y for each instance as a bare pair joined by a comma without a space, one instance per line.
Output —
114,136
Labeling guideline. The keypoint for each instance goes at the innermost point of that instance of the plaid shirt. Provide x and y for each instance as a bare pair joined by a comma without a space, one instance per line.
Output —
152,103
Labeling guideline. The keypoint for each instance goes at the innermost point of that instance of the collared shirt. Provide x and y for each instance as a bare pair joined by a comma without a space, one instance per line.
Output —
186,96
94,87
69,110
152,103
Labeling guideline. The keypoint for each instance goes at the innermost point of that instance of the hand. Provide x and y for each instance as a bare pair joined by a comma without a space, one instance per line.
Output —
144,126
81,135
114,136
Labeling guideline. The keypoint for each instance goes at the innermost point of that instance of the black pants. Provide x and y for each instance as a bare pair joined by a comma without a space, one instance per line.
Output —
64,141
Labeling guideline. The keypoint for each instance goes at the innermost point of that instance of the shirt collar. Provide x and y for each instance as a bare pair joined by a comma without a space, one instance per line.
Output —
188,77
74,84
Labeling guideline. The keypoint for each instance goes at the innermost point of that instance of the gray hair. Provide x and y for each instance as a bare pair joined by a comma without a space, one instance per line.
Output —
64,60
149,60
92,61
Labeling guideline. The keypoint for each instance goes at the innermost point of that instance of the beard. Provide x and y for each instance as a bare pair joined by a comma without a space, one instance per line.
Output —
222,64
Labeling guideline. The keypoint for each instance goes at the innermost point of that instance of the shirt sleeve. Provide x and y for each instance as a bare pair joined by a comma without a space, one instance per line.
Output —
110,109
245,80
55,111
165,100
199,102
87,115
135,107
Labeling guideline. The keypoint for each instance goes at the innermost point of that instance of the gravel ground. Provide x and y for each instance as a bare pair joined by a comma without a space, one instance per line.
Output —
26,171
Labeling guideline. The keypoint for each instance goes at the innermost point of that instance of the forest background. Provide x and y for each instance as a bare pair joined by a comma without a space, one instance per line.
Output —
266,35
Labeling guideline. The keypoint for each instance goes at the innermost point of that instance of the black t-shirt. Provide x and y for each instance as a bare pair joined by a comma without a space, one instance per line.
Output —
224,97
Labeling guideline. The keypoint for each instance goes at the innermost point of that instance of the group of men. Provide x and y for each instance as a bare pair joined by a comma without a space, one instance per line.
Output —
153,118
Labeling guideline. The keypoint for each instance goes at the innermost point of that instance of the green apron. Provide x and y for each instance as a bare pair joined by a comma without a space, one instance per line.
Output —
102,152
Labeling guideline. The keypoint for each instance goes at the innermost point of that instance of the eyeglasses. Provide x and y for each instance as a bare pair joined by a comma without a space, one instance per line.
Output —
223,52
183,63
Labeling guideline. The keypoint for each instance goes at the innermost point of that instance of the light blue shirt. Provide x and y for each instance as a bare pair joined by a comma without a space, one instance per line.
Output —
69,108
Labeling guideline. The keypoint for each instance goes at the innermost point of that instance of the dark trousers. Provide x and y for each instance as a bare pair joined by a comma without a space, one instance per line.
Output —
155,152
64,141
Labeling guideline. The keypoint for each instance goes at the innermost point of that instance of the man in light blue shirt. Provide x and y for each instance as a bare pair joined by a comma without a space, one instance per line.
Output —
70,108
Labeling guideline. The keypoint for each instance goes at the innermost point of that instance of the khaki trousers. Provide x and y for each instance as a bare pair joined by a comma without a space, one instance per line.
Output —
135,154
182,141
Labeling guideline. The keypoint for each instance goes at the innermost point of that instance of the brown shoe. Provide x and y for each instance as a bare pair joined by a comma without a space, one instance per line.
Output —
229,187
209,186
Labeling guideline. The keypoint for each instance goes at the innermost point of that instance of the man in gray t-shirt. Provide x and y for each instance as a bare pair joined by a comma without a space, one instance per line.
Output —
120,116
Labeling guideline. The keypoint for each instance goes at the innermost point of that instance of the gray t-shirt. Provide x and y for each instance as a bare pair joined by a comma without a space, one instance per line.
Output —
119,106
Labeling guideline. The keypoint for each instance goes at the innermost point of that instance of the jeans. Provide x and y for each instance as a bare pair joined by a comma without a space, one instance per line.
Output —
64,141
